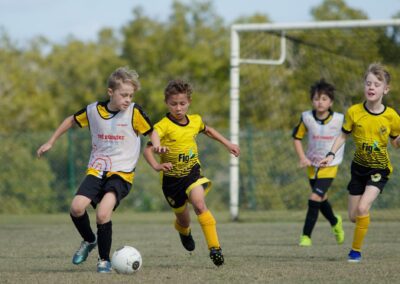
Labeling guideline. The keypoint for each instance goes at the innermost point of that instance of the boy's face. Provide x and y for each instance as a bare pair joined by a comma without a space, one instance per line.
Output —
321,102
121,98
178,106
374,89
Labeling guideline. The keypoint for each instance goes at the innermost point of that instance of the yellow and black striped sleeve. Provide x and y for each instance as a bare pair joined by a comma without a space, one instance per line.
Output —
140,121
81,119
348,121
395,129
299,131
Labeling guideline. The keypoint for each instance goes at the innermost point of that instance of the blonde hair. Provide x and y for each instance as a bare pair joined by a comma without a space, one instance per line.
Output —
123,75
379,71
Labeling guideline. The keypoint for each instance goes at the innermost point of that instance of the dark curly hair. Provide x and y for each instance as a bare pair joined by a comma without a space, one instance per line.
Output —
176,87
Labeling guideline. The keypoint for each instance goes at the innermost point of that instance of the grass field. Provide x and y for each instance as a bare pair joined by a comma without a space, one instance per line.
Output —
261,248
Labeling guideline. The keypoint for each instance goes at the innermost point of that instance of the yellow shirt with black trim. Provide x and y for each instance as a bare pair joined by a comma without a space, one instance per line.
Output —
181,142
140,123
371,133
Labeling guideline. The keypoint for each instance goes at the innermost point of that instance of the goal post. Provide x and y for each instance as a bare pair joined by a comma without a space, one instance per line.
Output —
237,59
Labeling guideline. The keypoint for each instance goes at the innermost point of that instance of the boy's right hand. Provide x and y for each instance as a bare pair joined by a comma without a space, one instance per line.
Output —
305,162
44,148
326,161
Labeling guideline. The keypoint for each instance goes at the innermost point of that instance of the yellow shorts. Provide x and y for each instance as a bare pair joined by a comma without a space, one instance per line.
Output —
327,172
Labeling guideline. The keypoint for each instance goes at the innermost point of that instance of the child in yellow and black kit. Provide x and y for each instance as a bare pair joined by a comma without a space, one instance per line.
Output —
182,181
115,126
372,124
322,126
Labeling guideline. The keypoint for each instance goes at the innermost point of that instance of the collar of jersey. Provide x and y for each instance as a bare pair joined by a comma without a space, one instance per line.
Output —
372,113
325,120
168,115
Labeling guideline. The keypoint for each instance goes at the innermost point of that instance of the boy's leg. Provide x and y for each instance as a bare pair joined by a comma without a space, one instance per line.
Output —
204,216
207,223
363,219
182,225
327,212
80,218
104,225
334,220
311,218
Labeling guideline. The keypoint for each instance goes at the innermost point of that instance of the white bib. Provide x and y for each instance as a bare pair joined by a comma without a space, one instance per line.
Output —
115,144
322,136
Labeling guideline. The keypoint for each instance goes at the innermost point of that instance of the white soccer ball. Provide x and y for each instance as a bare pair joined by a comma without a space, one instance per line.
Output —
126,260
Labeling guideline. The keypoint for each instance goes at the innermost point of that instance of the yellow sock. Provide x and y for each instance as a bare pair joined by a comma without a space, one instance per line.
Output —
184,231
208,225
362,223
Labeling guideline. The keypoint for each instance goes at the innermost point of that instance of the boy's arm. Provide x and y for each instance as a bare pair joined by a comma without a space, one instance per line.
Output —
303,160
148,154
64,126
155,141
395,142
339,141
214,134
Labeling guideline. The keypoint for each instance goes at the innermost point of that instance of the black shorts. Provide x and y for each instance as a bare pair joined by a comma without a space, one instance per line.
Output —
95,188
320,186
363,176
175,189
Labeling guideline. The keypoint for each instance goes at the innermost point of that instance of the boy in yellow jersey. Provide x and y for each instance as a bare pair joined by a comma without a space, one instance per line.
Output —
182,181
322,126
115,126
372,124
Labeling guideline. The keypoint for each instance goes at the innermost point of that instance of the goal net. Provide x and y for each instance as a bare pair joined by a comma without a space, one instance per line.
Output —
272,69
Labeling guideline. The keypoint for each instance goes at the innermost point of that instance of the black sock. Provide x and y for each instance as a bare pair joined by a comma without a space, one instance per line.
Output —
311,217
104,234
82,224
326,210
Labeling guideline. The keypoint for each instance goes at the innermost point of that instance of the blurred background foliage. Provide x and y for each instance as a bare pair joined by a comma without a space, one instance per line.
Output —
43,82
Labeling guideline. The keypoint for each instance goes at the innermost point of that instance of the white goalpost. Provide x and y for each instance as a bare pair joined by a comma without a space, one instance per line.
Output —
237,60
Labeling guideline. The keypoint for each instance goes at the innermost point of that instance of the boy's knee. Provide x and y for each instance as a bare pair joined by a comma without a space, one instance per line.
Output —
77,210
102,217
200,208
362,210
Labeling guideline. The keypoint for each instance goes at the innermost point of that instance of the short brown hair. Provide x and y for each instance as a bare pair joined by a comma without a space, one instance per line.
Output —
379,71
123,75
176,87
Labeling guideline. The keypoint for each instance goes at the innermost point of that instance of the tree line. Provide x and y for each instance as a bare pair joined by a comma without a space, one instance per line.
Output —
43,82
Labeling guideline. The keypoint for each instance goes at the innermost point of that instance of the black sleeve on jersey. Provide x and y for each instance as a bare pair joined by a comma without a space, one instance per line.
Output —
140,109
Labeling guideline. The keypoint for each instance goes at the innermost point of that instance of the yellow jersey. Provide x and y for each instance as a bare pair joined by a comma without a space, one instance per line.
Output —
371,133
181,141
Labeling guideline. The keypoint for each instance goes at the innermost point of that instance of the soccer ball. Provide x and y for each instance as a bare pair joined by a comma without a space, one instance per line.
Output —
126,260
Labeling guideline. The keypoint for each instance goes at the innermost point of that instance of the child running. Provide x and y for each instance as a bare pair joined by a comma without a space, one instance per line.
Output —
322,126
115,126
371,123
182,181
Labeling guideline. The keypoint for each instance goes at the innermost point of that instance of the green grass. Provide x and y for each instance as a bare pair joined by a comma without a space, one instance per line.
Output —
261,248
